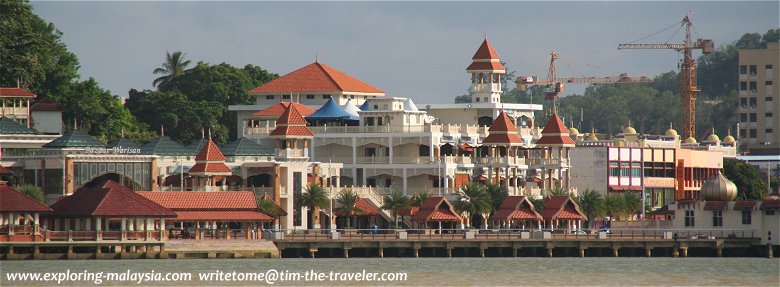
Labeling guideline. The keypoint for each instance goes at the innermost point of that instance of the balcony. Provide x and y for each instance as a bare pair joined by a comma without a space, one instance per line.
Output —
14,112
292,153
557,162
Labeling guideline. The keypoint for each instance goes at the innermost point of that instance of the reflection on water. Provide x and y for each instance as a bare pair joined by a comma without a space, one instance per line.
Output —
452,271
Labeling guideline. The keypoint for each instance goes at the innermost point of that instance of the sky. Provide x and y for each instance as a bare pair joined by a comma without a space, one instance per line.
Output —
408,49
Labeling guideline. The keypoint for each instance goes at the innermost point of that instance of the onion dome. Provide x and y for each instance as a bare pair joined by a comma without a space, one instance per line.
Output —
718,188
713,137
629,129
728,138
670,132
690,140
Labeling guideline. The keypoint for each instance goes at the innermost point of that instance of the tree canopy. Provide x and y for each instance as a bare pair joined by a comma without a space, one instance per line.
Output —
751,184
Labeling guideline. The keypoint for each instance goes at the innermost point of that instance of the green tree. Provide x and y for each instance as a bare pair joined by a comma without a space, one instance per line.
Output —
614,206
394,202
347,200
751,184
420,198
497,194
558,191
474,199
315,197
538,203
173,67
268,207
632,203
592,204
182,118
33,192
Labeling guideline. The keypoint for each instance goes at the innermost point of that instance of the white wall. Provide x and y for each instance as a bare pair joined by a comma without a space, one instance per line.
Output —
47,121
589,169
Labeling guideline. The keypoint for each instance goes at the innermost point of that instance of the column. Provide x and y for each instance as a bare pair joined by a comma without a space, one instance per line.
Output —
405,181
11,223
390,148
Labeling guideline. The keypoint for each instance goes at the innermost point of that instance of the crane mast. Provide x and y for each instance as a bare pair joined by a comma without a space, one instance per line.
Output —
688,87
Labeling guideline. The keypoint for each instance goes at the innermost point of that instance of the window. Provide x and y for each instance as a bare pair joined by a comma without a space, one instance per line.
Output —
753,102
743,102
768,115
753,70
285,97
370,151
369,121
768,67
477,100
743,132
743,117
689,219
743,86
309,97
371,182
768,131
768,83
768,99
752,117
770,212
753,133
269,97
753,86
717,218
743,70
747,217
325,97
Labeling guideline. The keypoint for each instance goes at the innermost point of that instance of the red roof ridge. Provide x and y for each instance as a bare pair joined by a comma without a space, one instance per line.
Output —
210,152
485,51
291,116
326,69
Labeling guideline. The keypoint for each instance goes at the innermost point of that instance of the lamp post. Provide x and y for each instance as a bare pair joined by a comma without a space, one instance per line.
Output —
181,175
769,245
330,194
676,249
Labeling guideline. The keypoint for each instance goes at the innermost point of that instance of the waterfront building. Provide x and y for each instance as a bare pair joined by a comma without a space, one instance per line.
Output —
667,168
109,207
218,215
437,212
20,215
759,94
562,212
719,209
517,212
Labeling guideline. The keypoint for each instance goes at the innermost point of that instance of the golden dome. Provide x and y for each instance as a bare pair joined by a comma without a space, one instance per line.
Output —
728,138
592,137
573,131
629,129
713,137
670,132
718,188
690,140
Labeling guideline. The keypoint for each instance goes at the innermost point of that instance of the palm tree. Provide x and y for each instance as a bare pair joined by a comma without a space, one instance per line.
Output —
32,191
497,194
314,198
632,203
614,205
394,202
174,66
474,199
269,208
558,191
538,203
592,204
347,200
420,198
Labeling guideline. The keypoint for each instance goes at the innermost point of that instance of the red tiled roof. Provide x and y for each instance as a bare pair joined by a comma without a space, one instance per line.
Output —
316,77
436,206
291,116
47,106
561,207
278,109
362,204
227,200
505,139
210,152
16,92
292,131
443,215
486,66
745,205
240,215
485,51
4,170
110,199
715,205
555,133
770,204
15,201
217,167
516,207
502,123
555,126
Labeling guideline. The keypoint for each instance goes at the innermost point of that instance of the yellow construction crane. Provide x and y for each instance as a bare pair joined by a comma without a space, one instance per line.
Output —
556,84
688,87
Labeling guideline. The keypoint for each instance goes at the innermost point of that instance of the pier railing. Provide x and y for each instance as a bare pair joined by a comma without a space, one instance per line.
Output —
508,234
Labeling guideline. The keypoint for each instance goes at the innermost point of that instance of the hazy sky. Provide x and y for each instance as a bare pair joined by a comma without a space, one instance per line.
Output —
408,49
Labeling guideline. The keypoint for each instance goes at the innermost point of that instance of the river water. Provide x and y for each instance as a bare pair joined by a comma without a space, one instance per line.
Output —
436,271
